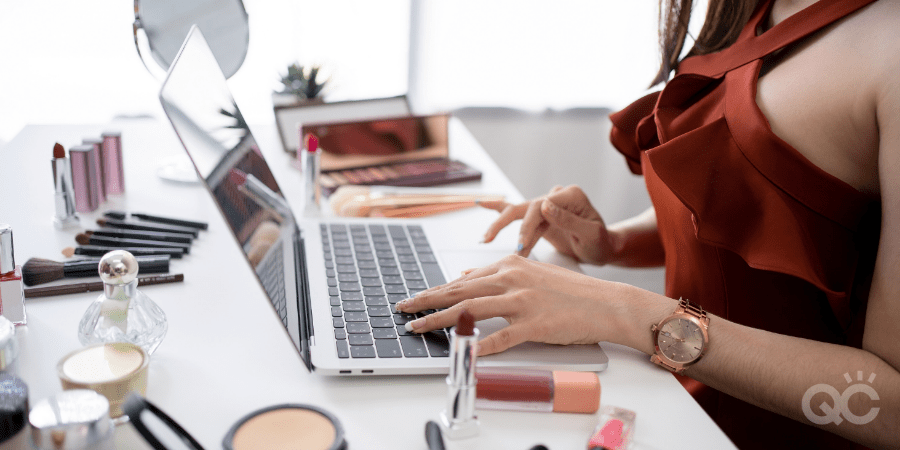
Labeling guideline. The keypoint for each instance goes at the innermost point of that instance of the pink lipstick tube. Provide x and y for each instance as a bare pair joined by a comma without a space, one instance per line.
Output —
113,170
97,145
86,179
537,390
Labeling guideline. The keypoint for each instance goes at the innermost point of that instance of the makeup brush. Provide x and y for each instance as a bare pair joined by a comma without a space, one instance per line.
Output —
121,215
39,270
141,234
85,239
78,288
100,250
131,225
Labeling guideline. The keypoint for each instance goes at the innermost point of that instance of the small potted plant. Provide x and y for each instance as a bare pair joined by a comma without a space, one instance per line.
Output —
301,85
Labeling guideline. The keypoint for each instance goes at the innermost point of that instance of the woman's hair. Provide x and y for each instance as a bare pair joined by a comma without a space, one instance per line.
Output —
723,23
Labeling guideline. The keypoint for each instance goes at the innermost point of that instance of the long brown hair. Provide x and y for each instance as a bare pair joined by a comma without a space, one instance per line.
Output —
723,23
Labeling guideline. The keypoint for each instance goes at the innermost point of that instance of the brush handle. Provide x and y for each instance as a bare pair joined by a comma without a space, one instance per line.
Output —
142,234
96,286
100,250
128,242
121,215
88,267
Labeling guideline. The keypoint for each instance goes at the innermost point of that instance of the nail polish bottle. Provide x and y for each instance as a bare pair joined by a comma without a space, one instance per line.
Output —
614,430
12,290
311,171
122,313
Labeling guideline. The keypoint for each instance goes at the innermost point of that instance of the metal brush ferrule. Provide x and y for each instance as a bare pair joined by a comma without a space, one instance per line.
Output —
458,419
64,196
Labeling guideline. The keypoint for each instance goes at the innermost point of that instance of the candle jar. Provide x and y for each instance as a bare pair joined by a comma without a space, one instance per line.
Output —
122,313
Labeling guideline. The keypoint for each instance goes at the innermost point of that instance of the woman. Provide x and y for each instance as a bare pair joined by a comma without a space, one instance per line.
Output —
772,159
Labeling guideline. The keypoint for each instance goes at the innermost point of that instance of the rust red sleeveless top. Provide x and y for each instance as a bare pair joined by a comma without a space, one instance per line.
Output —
752,231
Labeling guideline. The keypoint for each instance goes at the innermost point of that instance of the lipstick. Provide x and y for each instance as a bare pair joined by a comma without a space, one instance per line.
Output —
458,420
85,239
64,197
537,390
311,170
131,225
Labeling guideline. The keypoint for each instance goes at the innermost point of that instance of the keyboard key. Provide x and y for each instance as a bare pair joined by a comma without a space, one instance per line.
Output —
335,301
379,300
433,274
332,282
343,251
337,322
362,351
437,343
371,282
350,287
367,265
401,319
343,350
395,289
384,246
385,253
390,271
329,264
409,267
406,258
328,256
413,347
376,229
369,273
347,277
385,262
413,275
404,250
373,291
358,328
392,279
341,244
336,311
384,333
394,298
416,284
396,230
340,333
344,260
351,296
379,311
401,330
332,291
360,339
427,258
346,268
352,306
363,248
330,273
388,348
365,257
356,317
381,322
413,292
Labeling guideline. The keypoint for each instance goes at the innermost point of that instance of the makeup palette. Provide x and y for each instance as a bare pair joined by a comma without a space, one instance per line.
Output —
112,370
284,427
429,172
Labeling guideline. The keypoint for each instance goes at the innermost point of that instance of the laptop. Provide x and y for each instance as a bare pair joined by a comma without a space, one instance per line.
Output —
333,283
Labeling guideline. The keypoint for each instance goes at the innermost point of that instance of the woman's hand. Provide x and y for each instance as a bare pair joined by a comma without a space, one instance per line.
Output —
565,217
541,302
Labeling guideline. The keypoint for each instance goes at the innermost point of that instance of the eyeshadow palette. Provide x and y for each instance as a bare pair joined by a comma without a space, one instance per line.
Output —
428,172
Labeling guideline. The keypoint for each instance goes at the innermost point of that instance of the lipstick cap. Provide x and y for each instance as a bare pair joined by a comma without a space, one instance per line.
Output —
576,392
98,156
7,257
113,170
85,178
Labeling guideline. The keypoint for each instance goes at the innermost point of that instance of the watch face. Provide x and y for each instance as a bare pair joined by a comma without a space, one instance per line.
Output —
680,340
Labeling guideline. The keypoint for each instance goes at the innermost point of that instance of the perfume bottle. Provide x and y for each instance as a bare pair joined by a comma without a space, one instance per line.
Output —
122,313
12,290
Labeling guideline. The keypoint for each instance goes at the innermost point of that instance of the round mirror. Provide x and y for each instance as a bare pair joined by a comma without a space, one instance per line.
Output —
165,25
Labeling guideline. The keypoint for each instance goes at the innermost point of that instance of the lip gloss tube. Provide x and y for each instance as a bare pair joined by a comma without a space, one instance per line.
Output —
537,390
100,180
85,178
459,420
113,170
614,430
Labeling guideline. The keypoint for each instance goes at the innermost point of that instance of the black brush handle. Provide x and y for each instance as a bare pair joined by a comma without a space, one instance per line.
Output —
121,215
88,267
100,250
127,242
141,234
149,226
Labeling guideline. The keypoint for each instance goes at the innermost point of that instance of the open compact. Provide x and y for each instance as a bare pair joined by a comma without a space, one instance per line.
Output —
283,427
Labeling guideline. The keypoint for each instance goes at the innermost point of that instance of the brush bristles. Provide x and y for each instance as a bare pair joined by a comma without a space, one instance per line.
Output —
40,271
83,239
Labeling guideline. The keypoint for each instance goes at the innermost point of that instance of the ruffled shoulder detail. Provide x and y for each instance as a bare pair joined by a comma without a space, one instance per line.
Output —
623,134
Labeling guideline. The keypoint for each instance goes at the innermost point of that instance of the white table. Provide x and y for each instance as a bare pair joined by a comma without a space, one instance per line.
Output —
227,354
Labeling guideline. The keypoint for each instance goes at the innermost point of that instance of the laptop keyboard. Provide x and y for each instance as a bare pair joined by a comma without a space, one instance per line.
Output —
271,274
370,268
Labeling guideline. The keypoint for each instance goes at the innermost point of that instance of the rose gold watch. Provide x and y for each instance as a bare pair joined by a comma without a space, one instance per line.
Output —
681,339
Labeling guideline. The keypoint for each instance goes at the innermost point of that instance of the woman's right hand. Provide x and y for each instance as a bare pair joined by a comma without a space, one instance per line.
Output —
565,217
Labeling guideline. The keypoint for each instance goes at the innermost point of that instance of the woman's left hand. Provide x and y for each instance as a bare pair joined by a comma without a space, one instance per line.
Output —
541,302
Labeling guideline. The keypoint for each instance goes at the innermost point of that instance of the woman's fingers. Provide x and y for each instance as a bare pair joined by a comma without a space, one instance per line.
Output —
533,227
508,214
470,285
481,308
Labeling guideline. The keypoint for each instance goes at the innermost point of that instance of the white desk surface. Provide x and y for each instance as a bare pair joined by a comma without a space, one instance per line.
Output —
227,354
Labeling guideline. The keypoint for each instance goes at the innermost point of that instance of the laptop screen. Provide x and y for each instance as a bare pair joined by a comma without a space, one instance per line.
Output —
205,117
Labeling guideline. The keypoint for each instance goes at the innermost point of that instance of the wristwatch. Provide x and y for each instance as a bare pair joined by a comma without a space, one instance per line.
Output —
682,338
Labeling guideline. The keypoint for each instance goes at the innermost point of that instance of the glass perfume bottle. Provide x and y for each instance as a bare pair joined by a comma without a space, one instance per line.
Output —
122,313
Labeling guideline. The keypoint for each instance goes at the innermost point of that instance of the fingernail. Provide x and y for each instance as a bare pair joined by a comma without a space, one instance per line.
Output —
551,208
402,304
481,241
411,326
520,247
477,201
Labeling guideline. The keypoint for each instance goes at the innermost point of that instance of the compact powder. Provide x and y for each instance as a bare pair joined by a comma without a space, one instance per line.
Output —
102,363
284,429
